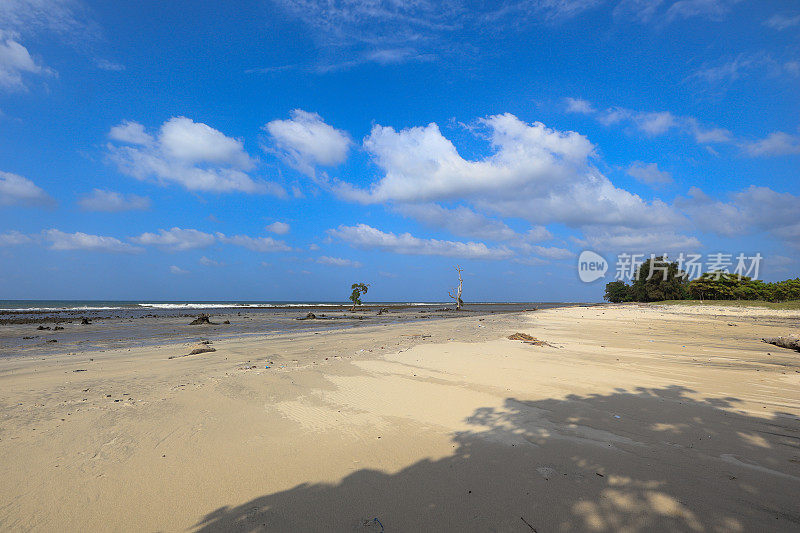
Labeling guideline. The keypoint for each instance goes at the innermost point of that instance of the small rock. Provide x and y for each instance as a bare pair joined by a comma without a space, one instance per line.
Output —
201,319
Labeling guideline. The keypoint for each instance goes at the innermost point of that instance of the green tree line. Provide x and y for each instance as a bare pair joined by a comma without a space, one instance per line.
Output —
669,282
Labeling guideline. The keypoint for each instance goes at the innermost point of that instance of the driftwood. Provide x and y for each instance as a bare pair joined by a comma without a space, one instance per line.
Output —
790,341
528,339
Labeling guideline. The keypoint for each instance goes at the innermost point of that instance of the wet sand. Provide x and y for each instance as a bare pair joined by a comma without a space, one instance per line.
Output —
637,418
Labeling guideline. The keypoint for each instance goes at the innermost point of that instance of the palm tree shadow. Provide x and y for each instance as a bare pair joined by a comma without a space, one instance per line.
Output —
642,460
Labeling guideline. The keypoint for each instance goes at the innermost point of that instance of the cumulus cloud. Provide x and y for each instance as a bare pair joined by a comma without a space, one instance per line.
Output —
420,164
305,141
278,228
369,238
16,61
60,240
177,270
112,202
191,154
534,172
256,244
14,238
751,209
179,239
175,239
648,173
338,262
130,132
776,143
16,190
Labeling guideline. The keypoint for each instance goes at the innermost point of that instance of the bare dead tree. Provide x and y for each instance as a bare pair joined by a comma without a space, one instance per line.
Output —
457,295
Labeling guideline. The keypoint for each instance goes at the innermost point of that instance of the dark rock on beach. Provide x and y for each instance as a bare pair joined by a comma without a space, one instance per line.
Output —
201,319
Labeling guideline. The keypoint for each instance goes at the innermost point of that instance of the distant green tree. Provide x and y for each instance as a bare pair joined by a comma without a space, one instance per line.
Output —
659,279
358,290
617,291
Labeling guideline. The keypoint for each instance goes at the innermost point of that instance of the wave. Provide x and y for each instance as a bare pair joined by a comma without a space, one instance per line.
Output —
200,305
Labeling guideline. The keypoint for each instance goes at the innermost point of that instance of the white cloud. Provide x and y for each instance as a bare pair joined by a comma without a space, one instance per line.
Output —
535,173
578,105
188,153
112,202
552,252
105,64
367,237
16,190
712,215
130,132
207,261
648,173
642,242
177,270
14,238
193,142
381,56
256,244
305,141
776,143
67,18
655,123
458,221
713,9
278,228
60,240
16,61
338,261
749,210
781,21
420,164
176,239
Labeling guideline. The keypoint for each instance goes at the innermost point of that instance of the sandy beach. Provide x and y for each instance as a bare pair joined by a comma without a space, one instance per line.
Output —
635,418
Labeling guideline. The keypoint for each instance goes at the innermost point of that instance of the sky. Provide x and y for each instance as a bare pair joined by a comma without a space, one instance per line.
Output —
284,149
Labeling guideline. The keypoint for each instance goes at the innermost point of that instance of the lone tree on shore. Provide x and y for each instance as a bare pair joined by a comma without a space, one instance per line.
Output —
457,295
358,290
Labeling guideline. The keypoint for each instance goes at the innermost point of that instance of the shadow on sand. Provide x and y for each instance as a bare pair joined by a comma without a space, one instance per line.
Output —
650,459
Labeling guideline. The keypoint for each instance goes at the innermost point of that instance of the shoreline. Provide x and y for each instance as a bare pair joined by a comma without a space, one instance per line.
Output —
636,418
141,328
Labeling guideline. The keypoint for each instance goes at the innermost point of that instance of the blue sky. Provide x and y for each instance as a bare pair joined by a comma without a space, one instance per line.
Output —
283,149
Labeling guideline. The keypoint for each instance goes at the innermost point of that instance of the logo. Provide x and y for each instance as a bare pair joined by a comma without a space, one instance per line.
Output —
591,266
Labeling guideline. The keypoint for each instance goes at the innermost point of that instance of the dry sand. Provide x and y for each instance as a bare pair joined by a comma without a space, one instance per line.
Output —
639,419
